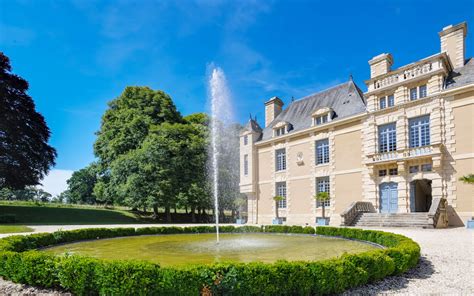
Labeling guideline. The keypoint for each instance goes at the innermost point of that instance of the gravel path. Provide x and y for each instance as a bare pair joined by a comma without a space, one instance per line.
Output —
446,266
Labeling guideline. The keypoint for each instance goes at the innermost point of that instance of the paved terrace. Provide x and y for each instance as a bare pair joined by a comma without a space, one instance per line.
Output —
446,266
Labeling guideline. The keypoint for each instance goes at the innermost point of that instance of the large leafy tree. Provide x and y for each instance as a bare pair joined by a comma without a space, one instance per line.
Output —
25,156
81,185
128,120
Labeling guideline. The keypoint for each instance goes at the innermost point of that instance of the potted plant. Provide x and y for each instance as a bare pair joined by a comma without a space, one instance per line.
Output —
277,219
240,202
322,197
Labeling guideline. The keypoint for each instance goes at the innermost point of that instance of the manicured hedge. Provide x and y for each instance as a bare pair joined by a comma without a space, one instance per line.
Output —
20,262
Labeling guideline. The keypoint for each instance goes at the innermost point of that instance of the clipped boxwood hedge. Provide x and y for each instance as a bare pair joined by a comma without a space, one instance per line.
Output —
22,263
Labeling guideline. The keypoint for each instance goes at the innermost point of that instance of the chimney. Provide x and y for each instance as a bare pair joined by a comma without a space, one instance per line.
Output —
380,64
453,42
273,107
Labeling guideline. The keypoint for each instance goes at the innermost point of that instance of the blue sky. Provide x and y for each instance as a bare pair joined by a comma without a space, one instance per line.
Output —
77,55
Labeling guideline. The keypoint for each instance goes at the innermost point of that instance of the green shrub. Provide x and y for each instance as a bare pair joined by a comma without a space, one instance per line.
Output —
20,262
7,218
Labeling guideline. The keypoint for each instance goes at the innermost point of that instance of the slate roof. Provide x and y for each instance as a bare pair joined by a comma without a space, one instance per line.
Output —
462,75
345,99
253,126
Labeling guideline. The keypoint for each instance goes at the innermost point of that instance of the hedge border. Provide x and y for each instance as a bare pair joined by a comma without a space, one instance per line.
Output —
21,262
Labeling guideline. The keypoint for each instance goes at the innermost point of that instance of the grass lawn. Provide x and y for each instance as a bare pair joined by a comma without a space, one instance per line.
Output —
14,229
59,215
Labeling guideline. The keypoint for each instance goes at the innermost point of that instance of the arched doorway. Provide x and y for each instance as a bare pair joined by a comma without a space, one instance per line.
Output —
389,197
420,195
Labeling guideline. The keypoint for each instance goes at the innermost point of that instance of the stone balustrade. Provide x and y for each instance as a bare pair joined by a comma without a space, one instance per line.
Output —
354,209
402,154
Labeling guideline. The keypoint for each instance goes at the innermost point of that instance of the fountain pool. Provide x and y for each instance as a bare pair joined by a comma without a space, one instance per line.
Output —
186,249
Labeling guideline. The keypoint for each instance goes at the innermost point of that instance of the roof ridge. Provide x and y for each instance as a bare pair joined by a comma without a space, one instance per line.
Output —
321,91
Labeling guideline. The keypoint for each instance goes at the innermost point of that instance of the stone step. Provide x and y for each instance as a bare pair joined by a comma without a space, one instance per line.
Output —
418,220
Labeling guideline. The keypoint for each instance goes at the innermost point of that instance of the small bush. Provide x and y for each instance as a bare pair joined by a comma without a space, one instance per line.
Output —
20,262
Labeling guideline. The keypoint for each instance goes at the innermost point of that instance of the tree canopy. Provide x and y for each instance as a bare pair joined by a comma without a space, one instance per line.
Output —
25,156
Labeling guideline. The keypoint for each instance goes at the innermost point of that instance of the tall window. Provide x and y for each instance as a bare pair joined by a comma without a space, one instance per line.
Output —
387,138
383,103
322,185
281,160
246,164
391,100
322,151
413,94
246,139
419,131
422,91
281,191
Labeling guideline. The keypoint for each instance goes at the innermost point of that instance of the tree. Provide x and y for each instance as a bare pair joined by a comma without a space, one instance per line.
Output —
81,185
25,156
468,179
322,197
128,120
277,199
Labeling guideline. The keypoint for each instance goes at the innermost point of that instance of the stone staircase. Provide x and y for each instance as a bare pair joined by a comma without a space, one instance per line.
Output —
419,220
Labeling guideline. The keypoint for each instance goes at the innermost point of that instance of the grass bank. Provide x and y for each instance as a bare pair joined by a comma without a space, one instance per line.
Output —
14,229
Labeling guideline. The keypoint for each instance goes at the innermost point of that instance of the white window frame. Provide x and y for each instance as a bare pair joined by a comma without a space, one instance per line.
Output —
391,100
322,151
323,184
422,91
382,103
413,93
280,159
419,131
281,191
387,137
246,140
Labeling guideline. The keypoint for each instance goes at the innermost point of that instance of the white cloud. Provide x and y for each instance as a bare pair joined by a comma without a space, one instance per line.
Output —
55,181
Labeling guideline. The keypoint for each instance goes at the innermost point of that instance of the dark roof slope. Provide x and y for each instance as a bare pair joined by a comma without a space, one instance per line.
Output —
345,99
253,126
462,75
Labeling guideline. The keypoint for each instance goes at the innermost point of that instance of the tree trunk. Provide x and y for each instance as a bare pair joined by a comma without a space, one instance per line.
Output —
186,209
168,213
324,210
193,215
155,212
276,209
175,210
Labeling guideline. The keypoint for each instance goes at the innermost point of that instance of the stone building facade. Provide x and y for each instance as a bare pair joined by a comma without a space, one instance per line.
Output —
405,141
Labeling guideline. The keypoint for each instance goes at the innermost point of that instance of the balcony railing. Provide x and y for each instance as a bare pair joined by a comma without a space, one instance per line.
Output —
405,153
406,73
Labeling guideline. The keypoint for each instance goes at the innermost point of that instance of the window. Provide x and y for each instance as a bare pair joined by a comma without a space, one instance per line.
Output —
413,169
322,151
246,164
413,94
280,131
322,185
427,167
382,173
387,138
418,92
281,160
391,101
246,139
382,103
281,191
422,91
393,171
321,119
419,131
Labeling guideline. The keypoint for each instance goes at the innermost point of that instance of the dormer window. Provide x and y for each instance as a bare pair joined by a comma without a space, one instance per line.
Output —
322,115
321,119
281,128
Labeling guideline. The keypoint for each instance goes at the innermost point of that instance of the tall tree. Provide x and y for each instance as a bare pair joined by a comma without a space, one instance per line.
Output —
25,156
81,185
128,120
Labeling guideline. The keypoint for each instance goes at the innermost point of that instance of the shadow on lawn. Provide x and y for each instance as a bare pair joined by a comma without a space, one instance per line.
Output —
423,270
